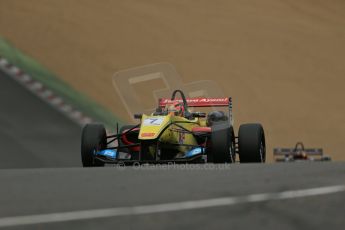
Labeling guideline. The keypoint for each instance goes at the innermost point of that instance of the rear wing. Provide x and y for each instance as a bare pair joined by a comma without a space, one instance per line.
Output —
201,102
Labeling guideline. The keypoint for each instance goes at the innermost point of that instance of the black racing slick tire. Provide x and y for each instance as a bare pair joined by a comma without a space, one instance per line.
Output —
94,138
251,143
222,144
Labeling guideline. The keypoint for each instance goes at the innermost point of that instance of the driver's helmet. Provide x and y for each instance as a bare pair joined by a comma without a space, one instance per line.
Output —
216,116
300,152
175,107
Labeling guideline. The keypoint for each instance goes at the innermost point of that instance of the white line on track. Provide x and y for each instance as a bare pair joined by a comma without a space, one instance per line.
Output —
167,207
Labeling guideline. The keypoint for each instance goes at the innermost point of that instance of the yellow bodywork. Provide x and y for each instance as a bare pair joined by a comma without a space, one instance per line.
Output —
155,127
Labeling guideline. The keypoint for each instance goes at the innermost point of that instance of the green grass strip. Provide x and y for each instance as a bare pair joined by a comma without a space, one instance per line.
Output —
51,81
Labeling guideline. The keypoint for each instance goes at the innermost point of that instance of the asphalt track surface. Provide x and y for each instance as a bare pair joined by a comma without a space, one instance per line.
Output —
39,137
32,133
44,191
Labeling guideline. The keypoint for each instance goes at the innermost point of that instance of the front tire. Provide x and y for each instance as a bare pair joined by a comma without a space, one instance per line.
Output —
222,144
251,141
94,138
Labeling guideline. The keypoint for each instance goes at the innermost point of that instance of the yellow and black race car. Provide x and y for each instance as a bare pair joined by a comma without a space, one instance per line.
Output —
175,134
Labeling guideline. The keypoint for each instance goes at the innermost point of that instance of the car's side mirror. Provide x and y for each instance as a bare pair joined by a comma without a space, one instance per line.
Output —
138,116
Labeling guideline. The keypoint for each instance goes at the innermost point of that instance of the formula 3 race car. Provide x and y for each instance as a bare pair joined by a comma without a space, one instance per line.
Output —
174,134
299,153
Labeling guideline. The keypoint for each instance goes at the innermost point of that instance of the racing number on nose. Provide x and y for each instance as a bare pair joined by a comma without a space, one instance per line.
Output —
153,120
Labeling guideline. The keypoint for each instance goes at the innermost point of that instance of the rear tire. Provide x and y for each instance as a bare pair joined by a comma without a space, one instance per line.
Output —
222,144
251,141
94,138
